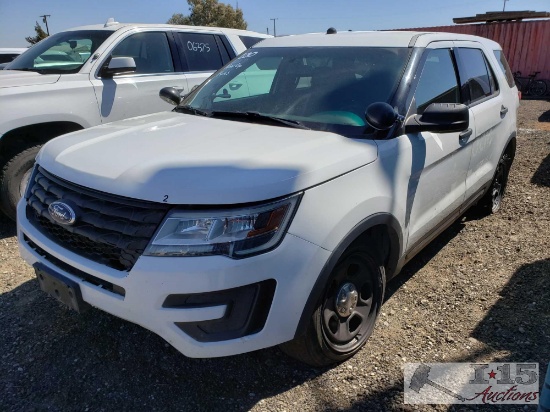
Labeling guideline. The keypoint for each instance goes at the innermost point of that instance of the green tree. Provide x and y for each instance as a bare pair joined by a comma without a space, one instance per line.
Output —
210,13
40,35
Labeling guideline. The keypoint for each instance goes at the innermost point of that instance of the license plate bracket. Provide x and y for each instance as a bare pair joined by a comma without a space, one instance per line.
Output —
61,288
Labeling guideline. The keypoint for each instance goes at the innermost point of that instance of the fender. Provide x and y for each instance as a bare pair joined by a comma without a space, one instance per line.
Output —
396,249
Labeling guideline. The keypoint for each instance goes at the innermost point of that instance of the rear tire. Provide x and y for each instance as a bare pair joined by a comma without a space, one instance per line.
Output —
346,313
14,178
491,202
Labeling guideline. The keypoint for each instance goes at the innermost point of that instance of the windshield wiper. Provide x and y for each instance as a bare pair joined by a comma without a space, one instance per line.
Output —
191,110
255,115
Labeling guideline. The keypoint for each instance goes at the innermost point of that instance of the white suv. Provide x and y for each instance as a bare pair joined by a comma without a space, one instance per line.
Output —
91,75
275,202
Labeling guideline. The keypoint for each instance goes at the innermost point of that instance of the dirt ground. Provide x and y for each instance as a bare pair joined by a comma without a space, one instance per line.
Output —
479,292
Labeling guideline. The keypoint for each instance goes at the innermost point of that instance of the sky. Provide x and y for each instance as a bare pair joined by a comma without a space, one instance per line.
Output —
18,17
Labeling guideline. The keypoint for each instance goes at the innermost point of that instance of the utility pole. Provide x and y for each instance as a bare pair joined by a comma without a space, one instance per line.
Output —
45,20
274,27
504,8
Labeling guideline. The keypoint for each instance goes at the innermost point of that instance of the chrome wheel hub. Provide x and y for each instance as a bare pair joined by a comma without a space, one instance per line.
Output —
346,299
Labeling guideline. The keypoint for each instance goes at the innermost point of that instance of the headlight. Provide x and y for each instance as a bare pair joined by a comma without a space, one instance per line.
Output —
235,233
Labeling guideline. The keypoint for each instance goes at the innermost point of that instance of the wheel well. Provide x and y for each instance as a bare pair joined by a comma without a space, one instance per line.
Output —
380,232
511,148
377,238
19,139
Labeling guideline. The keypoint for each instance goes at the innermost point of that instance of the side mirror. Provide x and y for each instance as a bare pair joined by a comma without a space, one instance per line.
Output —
381,116
119,65
170,95
440,118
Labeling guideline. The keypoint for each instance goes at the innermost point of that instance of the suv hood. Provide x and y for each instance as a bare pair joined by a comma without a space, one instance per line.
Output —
185,159
11,78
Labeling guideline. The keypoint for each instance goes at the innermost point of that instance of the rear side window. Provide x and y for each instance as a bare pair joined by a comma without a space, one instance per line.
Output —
503,63
477,77
438,82
201,51
250,41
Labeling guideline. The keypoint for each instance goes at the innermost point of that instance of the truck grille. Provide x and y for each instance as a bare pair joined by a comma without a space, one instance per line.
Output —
110,230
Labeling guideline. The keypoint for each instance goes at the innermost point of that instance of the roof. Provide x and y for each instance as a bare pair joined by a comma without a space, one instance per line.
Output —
369,39
117,26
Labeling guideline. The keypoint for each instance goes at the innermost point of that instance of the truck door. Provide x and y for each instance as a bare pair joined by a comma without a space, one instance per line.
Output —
439,163
135,94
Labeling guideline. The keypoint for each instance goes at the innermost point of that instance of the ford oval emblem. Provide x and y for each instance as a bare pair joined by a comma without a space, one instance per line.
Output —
62,213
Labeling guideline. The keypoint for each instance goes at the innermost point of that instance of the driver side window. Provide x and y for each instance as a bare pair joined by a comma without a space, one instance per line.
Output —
438,82
150,51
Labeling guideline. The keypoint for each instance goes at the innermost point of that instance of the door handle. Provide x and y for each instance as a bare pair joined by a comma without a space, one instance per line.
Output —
503,111
465,134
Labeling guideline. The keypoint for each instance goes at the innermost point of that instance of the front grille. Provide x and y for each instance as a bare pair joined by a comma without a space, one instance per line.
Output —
111,287
110,230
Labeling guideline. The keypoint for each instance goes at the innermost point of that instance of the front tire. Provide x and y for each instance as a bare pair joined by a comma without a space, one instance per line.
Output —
346,313
14,178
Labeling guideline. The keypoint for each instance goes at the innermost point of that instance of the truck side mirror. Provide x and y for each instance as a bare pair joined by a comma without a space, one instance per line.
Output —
381,116
119,65
439,118
170,95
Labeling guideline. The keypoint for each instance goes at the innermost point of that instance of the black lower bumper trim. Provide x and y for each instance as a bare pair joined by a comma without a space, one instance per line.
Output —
247,310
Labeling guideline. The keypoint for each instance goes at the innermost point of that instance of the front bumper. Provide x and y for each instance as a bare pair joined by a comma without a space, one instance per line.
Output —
294,266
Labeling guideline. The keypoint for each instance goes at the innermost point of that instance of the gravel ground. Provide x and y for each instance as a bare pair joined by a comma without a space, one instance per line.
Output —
479,292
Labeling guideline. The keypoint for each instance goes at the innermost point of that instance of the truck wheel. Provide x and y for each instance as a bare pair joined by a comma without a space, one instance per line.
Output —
14,178
491,202
345,316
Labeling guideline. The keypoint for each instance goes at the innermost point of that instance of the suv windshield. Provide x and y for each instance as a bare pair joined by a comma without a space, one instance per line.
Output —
321,88
64,52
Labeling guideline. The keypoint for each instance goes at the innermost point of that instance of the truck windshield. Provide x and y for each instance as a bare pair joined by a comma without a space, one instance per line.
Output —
321,88
64,52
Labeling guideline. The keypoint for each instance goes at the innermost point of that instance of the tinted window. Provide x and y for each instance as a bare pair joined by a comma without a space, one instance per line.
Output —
249,41
201,52
223,50
6,58
479,82
150,51
438,83
499,54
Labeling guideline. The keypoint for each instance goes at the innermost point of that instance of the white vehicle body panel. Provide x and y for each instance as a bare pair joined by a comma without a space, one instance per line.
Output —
213,161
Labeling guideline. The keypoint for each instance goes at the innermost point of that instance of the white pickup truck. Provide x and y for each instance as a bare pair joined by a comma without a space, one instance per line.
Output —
97,74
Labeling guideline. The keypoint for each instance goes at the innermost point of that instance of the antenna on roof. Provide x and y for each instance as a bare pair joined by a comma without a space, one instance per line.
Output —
110,22
331,30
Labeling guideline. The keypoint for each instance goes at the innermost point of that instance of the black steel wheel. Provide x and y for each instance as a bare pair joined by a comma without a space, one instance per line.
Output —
491,202
349,308
346,313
